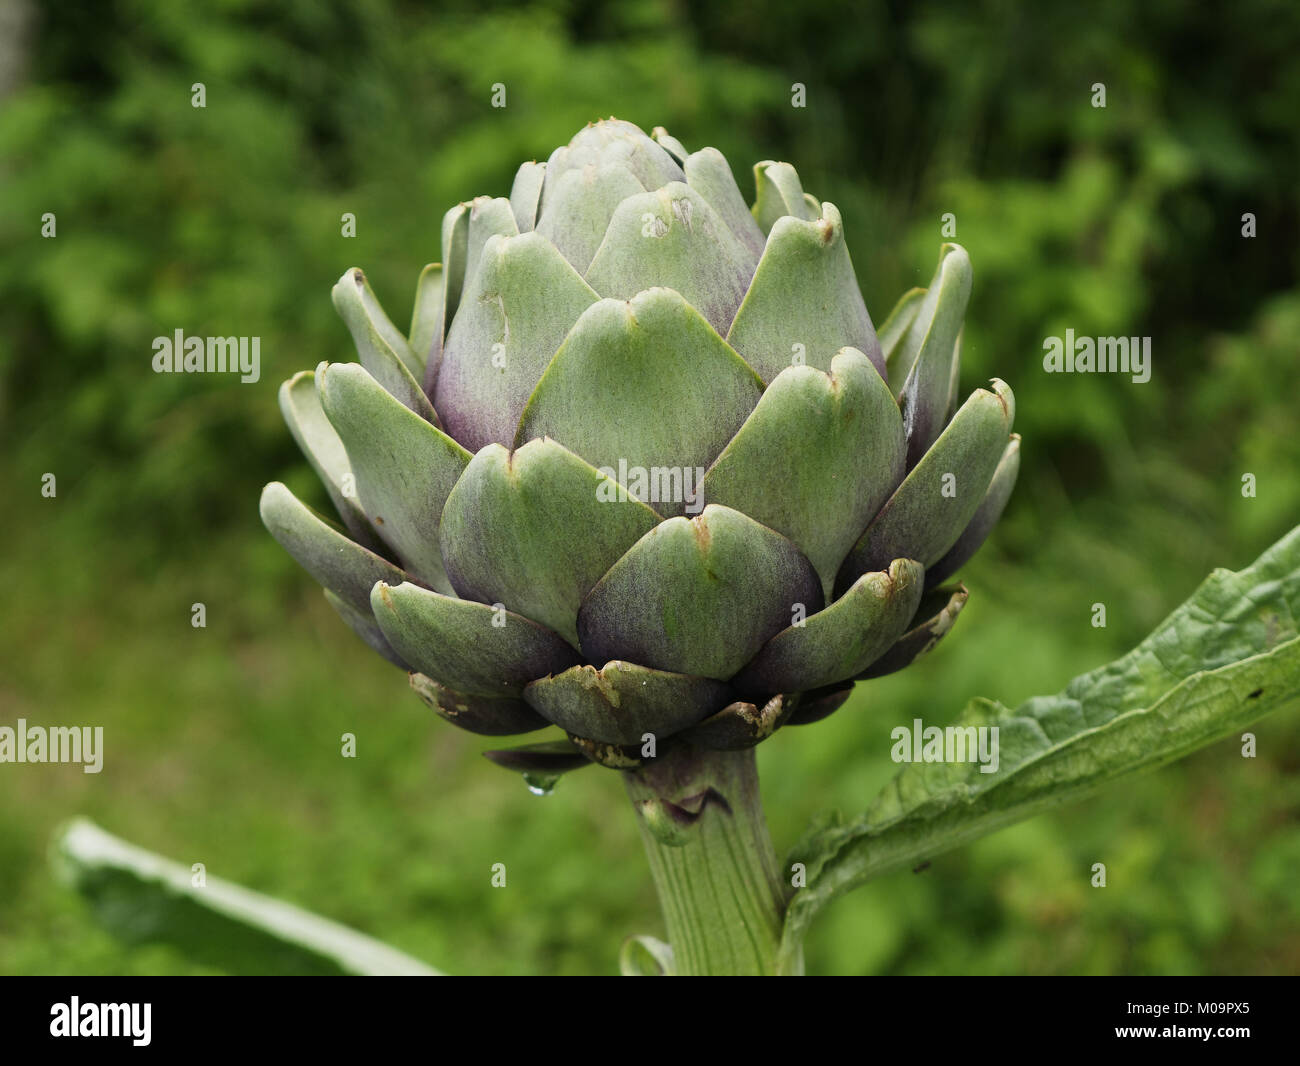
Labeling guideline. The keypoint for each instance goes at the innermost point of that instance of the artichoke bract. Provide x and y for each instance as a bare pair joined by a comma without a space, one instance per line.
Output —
642,467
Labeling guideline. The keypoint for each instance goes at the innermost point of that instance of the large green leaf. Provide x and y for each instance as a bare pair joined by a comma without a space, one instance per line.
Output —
1227,656
145,898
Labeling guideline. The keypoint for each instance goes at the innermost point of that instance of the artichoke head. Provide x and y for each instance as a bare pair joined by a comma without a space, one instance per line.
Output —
642,467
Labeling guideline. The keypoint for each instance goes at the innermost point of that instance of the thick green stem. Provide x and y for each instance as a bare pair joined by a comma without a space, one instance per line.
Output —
702,821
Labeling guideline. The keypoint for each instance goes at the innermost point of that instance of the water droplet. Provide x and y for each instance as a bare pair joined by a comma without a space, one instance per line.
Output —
540,784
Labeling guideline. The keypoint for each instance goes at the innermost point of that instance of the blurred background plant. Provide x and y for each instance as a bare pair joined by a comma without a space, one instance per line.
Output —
222,743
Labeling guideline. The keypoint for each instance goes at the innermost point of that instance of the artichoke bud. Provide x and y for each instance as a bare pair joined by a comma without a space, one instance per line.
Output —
643,464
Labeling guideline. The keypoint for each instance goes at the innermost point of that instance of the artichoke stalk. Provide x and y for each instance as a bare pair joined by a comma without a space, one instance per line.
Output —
643,469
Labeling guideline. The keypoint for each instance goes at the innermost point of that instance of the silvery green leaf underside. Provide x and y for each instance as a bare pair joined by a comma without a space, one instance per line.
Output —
145,898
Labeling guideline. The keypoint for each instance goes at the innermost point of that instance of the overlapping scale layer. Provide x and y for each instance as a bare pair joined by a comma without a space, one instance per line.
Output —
642,467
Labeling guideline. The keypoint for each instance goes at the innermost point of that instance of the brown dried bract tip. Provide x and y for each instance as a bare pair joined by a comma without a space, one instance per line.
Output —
701,530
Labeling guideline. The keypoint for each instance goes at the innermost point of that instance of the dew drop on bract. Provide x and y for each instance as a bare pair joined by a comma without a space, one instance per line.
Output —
540,784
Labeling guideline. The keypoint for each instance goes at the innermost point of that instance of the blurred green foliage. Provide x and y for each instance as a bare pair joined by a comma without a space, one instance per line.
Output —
222,743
